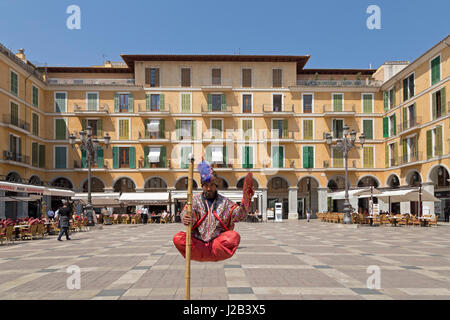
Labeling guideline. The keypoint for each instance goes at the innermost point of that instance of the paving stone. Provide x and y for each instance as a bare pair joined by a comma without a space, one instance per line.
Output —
238,290
364,291
107,293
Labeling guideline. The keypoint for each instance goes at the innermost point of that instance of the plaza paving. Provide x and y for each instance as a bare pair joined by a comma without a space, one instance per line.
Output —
288,260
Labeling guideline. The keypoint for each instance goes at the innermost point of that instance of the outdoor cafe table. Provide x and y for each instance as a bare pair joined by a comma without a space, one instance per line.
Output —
371,219
394,220
19,228
424,221
156,219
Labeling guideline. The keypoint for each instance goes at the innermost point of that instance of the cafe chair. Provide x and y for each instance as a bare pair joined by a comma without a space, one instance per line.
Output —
433,222
30,232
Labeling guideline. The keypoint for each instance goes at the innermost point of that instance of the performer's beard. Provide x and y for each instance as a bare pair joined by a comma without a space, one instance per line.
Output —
210,194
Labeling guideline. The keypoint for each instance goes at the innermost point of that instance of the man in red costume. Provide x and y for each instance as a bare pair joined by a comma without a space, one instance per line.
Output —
213,219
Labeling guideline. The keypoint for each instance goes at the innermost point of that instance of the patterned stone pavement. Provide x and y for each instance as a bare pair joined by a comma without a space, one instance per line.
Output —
288,260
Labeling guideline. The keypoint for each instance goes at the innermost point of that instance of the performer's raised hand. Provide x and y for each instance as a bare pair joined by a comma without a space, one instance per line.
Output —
186,219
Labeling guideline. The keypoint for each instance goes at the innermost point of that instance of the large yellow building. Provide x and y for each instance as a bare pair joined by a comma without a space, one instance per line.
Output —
264,114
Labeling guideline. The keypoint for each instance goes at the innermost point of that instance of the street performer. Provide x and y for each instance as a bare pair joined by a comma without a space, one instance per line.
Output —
213,219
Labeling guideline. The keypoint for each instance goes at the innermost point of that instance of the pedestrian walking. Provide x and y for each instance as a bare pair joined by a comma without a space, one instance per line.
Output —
308,215
145,215
64,216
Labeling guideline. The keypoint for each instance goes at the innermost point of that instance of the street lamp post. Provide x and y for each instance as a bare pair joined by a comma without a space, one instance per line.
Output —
345,144
90,145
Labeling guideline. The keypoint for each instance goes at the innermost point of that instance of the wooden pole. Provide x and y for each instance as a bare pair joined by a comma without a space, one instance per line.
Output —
188,229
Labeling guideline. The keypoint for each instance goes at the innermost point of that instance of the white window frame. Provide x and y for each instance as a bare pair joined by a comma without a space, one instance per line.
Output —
303,127
284,156
180,148
414,84
54,126
211,75
9,141
242,77
180,98
253,155
408,143
252,136
314,155
118,128
54,101
54,156
373,127
440,67
433,140
431,102
282,100
332,100
18,82
242,101
362,101
98,99
303,101
332,126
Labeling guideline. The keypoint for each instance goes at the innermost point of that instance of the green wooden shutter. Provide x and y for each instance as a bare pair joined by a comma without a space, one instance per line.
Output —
83,124
281,157
162,129
209,102
147,102
83,159
224,102
433,105
177,128
60,157
132,158
385,127
285,129
386,101
162,106
146,152
438,142
116,103
193,129
34,154
443,102
100,128
92,101
225,156
162,157
305,157
115,152
429,144
185,157
14,83
405,151
60,129
275,157
130,103
405,89
371,153
395,155
368,129
367,103
35,97
100,158
337,102
435,70
185,103
395,124
146,132
124,133
41,156
386,155
311,157
14,114
35,124
365,157
308,129
208,154
405,118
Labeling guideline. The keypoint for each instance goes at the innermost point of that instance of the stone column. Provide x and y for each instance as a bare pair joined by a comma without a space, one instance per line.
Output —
293,214
264,203
322,197
429,187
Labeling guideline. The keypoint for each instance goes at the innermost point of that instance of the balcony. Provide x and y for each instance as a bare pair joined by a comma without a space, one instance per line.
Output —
16,157
339,83
283,136
410,158
142,164
147,136
83,110
154,111
339,163
278,110
346,110
215,84
287,164
209,110
90,82
7,119
215,135
408,126
94,165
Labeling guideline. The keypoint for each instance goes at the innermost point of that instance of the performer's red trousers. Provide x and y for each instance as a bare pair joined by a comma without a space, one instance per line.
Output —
220,248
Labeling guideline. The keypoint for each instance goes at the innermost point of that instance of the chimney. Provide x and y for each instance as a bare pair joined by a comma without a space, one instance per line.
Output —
21,55
108,64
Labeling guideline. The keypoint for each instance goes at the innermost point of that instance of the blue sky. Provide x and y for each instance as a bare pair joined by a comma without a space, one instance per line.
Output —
334,33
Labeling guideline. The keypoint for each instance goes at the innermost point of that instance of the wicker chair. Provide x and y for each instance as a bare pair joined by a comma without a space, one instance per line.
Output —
125,218
376,221
30,232
433,222
41,230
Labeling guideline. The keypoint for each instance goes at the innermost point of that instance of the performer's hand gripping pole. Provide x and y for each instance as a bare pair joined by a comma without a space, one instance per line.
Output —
189,227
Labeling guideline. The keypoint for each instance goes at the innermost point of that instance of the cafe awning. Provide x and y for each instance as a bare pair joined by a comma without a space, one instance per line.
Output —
153,155
360,192
404,195
32,197
58,192
99,198
216,154
153,126
145,198
18,187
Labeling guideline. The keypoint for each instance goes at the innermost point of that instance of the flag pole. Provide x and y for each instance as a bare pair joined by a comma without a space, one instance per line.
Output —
188,229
